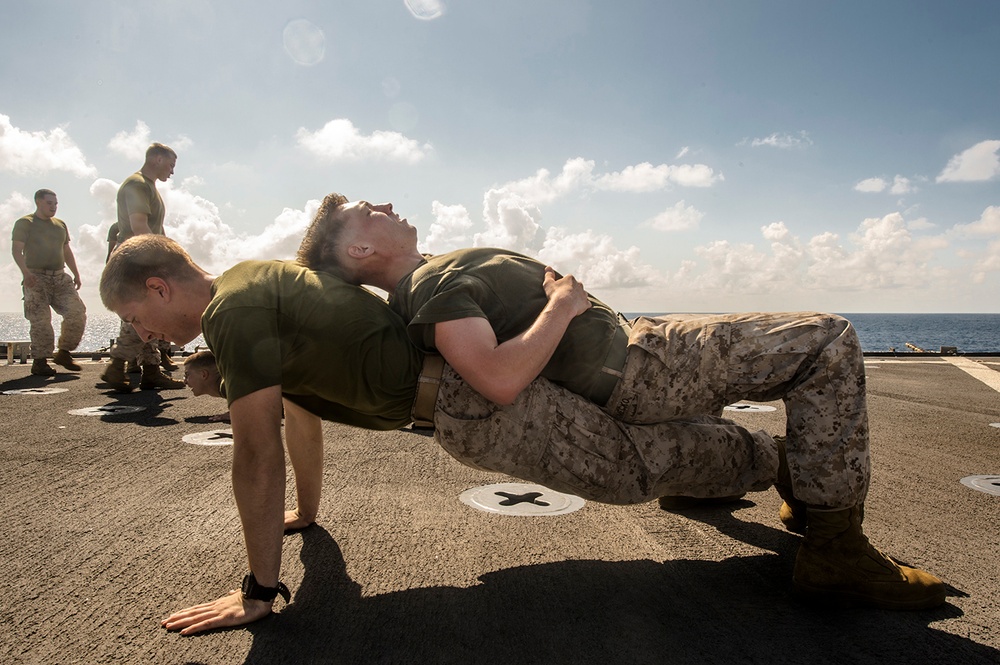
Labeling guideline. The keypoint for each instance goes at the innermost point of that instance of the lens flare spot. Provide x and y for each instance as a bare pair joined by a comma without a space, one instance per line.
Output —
304,42
425,10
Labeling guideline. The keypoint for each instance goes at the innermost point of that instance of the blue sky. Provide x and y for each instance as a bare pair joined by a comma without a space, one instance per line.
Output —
675,156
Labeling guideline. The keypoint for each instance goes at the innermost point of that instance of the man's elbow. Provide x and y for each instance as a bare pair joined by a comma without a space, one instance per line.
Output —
504,395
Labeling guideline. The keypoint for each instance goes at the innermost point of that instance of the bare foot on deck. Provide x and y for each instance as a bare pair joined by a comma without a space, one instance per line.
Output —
220,418
294,522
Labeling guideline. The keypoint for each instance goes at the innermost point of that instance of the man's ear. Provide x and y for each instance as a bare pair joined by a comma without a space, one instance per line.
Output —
360,250
159,286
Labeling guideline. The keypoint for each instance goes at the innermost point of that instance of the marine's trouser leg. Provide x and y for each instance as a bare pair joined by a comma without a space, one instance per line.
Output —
558,439
39,316
129,347
67,303
812,361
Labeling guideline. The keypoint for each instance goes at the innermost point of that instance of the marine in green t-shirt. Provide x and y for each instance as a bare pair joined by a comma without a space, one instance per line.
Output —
505,288
138,195
335,349
41,250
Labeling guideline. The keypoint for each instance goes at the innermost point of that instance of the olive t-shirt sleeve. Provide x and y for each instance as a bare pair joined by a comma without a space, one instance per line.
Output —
20,231
137,198
247,350
458,299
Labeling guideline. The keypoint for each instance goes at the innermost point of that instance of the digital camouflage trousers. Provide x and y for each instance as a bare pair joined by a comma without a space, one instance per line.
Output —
661,433
678,367
563,441
53,293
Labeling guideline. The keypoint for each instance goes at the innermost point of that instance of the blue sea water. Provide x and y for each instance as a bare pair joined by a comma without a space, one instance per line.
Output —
971,333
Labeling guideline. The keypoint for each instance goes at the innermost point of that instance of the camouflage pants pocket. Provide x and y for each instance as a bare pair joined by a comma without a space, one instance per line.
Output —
589,455
548,436
499,442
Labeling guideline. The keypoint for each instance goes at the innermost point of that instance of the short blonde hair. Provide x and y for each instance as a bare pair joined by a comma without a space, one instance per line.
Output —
159,150
318,250
136,260
202,360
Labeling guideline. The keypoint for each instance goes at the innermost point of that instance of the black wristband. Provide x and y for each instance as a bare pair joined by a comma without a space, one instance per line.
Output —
254,591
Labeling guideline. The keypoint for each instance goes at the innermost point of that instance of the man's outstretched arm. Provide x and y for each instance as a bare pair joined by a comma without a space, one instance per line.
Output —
499,372
259,488
304,440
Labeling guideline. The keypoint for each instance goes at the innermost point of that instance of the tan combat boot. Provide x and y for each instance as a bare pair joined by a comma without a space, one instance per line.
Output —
837,563
115,375
40,367
154,379
63,357
166,363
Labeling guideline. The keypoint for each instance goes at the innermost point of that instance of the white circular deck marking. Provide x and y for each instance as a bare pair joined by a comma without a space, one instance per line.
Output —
987,484
750,407
36,391
215,437
520,499
107,410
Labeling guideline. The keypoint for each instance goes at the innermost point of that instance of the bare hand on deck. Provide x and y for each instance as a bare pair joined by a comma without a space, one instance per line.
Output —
230,610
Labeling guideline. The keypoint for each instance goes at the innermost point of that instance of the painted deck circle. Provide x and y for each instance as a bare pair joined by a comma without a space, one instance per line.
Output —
106,410
987,484
759,408
35,391
215,437
520,499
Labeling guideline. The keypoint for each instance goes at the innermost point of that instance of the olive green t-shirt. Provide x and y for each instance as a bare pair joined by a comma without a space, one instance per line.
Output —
505,288
138,194
335,349
44,240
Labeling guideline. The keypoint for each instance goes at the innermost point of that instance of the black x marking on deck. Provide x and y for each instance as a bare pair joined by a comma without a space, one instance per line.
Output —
514,499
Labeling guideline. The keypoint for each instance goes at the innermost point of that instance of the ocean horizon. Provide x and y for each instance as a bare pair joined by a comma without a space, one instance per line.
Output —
969,333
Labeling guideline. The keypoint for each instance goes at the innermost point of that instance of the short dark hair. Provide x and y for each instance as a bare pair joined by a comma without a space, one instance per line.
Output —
42,193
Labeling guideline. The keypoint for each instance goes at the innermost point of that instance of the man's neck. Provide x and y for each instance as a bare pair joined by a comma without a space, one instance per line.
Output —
389,275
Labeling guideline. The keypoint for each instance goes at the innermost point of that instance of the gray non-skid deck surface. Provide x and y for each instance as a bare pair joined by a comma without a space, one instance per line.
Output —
112,522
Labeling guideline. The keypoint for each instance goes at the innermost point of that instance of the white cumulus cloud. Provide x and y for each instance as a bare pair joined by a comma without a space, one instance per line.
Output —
133,144
645,177
577,175
780,140
510,221
340,140
901,185
978,163
542,187
988,224
679,217
449,230
871,185
38,153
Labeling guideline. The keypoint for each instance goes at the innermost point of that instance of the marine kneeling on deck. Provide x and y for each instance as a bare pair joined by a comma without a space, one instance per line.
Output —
308,341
